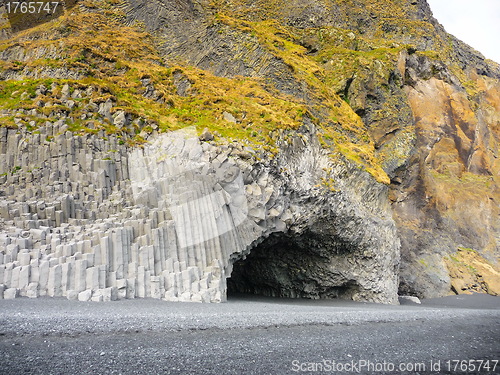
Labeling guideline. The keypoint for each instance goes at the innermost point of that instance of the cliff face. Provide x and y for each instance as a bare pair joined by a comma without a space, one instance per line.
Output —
448,197
337,131
86,217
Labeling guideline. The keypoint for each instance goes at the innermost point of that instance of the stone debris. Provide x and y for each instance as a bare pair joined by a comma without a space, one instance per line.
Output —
411,299
229,117
10,293
206,135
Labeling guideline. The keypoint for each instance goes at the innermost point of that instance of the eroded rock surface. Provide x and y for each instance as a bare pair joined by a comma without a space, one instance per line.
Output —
88,218
348,127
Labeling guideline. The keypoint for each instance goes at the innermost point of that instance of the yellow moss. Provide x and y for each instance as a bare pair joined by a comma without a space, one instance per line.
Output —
280,42
117,57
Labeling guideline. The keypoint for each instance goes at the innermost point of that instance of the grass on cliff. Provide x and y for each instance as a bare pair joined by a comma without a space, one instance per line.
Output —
341,128
114,58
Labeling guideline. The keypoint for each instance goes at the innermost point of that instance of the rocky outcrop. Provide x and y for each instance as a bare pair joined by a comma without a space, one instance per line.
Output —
431,109
335,130
85,217
448,197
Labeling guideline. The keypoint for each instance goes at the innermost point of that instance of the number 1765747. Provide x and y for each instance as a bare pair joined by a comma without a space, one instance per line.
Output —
31,7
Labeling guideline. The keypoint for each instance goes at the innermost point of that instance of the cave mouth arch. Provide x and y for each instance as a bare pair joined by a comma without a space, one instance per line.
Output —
292,267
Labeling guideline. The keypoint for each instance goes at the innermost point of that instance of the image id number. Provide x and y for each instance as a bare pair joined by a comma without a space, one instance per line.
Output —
31,7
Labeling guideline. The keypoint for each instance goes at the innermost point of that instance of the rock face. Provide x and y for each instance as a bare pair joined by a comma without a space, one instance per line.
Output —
89,216
432,109
333,135
449,195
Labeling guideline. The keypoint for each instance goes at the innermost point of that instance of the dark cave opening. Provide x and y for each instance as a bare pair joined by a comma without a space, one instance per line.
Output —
286,267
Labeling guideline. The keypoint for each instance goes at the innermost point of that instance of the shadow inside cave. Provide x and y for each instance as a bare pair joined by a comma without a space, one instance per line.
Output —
290,267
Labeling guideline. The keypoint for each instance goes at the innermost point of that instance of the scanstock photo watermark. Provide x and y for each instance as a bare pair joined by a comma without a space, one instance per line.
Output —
365,366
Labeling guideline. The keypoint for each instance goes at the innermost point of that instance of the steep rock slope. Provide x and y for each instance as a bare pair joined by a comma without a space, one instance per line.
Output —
389,107
89,218
429,103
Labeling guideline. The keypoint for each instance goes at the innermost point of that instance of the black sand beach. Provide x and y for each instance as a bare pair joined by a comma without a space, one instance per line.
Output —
249,335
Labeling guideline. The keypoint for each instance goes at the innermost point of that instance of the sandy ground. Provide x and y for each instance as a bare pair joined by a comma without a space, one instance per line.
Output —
249,335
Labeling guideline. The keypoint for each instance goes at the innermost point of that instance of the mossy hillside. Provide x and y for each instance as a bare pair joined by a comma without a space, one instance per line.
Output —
115,58
389,20
387,27
94,42
339,126
257,111
363,72
344,57
344,64
91,42
258,10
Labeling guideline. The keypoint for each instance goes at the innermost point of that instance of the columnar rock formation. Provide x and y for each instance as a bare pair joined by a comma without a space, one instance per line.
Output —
88,218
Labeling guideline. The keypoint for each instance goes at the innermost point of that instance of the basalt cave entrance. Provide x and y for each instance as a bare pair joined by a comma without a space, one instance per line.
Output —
291,267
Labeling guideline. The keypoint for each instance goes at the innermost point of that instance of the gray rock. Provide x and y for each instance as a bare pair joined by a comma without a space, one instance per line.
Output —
410,299
41,90
105,109
11,293
72,295
206,135
120,119
182,84
109,294
32,290
65,92
229,117
77,94
85,295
